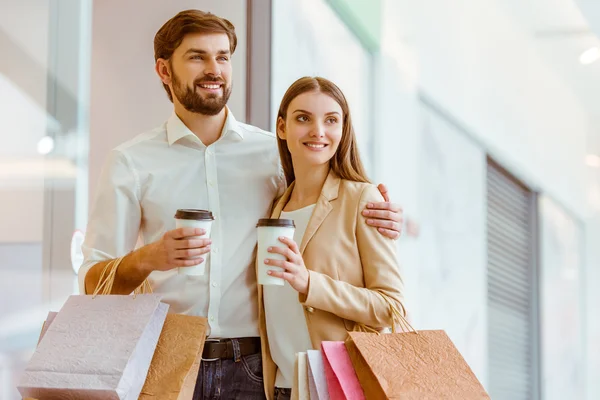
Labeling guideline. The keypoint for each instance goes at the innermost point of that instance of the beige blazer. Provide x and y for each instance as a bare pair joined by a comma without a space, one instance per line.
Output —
352,267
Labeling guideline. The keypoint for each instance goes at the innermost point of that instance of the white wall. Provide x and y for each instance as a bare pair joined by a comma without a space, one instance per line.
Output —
127,98
562,286
452,285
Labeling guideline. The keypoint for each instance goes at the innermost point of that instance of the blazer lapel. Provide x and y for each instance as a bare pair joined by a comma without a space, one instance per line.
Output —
322,208
276,213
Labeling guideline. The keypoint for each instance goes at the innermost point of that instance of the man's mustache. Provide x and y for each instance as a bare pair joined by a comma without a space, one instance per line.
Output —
208,79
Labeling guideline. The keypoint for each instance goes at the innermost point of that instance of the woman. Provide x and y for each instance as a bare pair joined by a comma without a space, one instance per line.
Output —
339,272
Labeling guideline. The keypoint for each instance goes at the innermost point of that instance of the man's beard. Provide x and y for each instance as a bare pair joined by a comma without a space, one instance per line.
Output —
193,101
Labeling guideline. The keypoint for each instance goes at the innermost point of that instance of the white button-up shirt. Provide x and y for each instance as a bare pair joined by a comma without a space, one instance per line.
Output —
143,183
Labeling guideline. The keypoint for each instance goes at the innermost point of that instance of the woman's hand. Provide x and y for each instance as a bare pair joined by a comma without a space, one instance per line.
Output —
295,271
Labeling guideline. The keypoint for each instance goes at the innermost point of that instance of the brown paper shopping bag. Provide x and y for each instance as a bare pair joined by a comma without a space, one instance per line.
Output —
176,363
412,365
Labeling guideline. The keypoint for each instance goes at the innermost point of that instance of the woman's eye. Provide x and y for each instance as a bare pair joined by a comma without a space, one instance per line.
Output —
331,120
302,118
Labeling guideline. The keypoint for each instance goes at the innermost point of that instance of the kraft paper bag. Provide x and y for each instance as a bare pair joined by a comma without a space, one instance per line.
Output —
176,363
96,347
342,382
412,365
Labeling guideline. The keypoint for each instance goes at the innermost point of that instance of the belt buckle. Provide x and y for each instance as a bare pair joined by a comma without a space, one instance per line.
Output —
214,341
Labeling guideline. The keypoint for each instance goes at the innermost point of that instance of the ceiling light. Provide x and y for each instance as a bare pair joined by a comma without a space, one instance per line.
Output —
45,145
589,56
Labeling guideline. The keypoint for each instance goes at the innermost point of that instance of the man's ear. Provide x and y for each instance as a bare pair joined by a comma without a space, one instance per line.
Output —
163,69
281,128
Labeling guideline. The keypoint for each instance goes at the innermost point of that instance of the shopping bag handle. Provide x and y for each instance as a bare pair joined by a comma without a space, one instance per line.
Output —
107,279
395,315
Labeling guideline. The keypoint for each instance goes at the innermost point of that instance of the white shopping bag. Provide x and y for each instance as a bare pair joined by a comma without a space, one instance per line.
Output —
96,348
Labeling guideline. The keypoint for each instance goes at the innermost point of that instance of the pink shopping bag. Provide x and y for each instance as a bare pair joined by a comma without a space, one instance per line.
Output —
342,382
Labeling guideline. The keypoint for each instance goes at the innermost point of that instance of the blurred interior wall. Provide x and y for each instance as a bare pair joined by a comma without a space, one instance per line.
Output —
473,62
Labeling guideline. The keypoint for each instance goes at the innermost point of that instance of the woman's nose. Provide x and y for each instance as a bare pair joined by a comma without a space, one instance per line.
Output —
318,131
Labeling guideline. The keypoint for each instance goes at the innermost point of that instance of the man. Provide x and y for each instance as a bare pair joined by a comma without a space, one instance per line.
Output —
200,158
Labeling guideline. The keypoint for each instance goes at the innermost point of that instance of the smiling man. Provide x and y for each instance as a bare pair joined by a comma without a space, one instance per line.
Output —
202,158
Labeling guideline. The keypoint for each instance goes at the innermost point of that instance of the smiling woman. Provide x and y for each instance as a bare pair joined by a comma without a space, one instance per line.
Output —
312,137
314,115
335,262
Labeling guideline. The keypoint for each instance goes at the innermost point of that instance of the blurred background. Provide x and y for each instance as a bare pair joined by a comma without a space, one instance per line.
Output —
481,116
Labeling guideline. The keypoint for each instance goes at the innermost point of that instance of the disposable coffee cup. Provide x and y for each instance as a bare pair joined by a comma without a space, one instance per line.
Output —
191,218
269,232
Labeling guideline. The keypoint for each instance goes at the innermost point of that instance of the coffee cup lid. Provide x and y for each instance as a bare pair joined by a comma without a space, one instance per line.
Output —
198,215
276,222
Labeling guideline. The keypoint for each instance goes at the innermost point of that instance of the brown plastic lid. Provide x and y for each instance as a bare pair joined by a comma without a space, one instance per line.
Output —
276,222
198,215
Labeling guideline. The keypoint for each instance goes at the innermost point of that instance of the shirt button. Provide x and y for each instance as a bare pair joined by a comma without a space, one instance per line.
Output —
210,183
212,318
209,152
214,284
215,250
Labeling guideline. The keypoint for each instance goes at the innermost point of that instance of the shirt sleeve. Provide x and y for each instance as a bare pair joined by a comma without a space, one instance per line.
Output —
114,222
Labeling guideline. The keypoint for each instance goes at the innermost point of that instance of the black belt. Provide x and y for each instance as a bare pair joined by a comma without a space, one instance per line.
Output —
283,391
215,349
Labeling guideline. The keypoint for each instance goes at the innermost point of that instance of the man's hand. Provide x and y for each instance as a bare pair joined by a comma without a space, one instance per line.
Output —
386,216
177,248
173,250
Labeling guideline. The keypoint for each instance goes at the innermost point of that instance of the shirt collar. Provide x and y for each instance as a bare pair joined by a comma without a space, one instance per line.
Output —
176,129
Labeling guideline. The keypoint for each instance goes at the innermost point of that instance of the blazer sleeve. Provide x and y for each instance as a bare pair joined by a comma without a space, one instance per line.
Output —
381,276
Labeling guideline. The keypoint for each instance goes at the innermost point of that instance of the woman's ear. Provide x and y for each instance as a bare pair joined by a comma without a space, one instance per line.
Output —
281,128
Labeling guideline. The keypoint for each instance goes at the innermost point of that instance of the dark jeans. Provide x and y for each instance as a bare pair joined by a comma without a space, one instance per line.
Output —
283,394
229,380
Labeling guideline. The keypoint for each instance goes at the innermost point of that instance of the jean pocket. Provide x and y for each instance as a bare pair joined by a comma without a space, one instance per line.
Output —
253,367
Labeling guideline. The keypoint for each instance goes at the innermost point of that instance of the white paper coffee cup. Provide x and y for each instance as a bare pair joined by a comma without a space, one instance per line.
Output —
269,231
191,218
